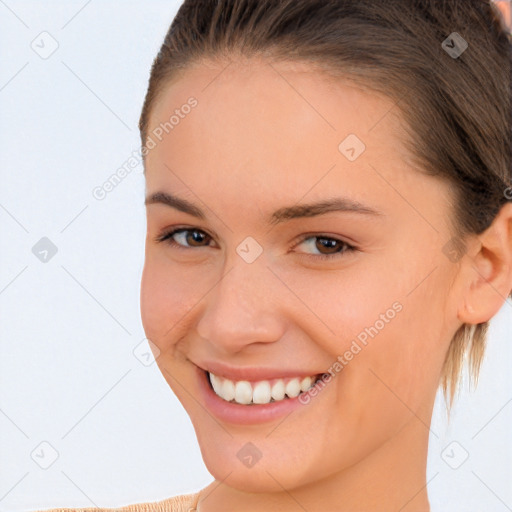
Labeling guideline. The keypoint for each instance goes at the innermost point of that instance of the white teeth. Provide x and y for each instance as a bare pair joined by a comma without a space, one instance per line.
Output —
262,392
216,383
227,390
243,392
305,383
293,388
277,391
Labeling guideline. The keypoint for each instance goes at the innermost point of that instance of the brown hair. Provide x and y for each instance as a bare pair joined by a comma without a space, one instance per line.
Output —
456,108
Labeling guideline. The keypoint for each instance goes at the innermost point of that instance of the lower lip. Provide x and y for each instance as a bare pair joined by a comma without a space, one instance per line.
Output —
244,414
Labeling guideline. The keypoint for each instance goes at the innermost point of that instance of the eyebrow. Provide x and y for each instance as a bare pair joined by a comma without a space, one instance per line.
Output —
338,204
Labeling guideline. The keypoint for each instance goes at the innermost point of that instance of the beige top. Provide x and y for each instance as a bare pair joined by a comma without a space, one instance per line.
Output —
182,503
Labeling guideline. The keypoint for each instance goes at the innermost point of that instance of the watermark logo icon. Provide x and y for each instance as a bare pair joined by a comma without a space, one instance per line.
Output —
44,455
249,250
249,455
146,352
44,250
454,249
45,45
454,45
352,147
455,455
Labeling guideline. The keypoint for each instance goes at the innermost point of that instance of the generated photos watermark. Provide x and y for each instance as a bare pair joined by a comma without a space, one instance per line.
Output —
357,345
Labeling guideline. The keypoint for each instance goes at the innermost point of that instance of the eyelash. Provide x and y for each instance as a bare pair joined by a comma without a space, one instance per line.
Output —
167,237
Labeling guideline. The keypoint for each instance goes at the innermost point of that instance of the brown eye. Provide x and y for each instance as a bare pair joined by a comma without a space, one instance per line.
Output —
327,247
329,244
184,238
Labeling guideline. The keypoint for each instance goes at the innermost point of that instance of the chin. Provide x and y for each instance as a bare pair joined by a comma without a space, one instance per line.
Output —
269,474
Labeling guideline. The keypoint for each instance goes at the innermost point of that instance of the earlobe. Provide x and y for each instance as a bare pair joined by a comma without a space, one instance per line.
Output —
489,270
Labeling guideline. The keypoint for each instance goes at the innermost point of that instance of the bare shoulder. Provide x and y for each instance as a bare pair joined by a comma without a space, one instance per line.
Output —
181,503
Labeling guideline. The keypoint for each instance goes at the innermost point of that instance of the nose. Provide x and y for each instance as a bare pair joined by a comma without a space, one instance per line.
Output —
242,308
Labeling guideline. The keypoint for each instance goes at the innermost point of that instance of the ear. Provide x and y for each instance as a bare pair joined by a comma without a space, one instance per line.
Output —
488,263
504,8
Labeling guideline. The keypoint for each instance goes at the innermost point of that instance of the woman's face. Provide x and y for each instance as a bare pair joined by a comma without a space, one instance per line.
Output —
251,286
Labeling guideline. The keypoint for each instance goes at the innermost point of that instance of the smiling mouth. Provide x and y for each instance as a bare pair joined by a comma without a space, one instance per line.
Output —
244,392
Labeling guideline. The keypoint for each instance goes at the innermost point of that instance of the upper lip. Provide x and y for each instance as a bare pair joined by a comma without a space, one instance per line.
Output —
252,373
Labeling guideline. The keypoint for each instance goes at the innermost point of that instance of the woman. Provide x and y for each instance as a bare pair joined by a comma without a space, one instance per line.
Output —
328,191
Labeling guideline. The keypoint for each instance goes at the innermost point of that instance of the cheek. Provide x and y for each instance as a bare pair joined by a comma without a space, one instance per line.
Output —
166,299
406,357
341,302
394,340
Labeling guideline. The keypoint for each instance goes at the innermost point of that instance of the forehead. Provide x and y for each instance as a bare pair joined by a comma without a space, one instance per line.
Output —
299,91
249,97
246,83
274,128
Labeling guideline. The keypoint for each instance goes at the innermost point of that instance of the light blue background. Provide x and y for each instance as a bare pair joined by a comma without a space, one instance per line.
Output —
68,374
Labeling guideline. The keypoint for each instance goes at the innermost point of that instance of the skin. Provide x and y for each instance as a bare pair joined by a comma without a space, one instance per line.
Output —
264,136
